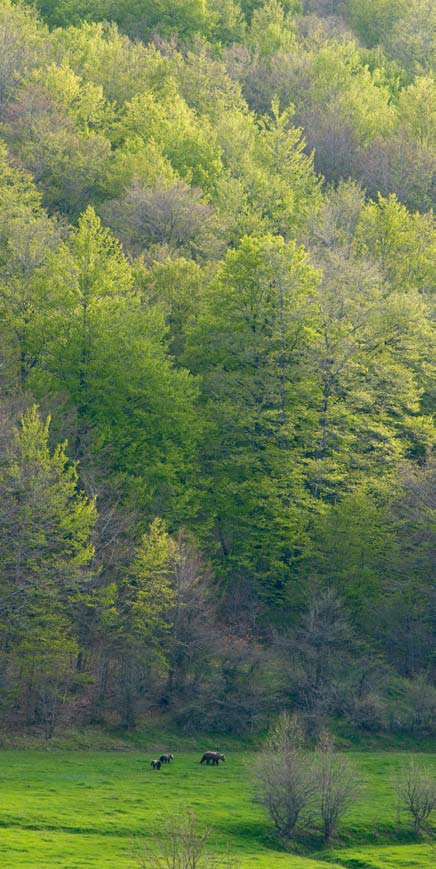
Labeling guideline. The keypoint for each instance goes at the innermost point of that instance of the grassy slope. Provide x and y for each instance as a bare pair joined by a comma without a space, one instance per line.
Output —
86,809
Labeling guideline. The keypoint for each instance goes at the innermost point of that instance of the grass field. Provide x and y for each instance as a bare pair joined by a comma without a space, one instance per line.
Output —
92,809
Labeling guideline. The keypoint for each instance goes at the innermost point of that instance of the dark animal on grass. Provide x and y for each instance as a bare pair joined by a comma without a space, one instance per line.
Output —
155,764
166,758
212,757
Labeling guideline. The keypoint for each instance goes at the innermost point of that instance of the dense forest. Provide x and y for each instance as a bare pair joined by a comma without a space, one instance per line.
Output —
217,363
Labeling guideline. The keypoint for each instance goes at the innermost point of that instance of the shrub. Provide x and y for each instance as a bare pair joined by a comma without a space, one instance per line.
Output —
416,789
286,777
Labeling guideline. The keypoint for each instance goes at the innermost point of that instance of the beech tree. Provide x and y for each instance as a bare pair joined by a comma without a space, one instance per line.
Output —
337,786
25,44
143,607
286,777
246,344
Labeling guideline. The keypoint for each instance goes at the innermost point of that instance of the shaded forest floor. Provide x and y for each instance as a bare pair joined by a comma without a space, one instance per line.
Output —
96,809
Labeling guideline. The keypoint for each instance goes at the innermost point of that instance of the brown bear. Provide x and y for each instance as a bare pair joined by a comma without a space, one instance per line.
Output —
166,758
212,757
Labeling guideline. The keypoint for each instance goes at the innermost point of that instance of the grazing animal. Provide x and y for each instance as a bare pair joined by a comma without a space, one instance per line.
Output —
166,758
155,764
212,757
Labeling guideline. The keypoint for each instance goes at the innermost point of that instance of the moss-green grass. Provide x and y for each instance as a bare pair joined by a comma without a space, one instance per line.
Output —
88,809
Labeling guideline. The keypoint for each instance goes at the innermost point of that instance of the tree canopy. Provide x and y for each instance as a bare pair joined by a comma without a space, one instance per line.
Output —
217,360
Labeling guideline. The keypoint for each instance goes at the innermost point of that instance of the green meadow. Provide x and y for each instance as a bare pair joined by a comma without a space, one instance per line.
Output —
96,808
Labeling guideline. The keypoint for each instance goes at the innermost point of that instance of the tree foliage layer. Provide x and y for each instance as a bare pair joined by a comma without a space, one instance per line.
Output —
217,362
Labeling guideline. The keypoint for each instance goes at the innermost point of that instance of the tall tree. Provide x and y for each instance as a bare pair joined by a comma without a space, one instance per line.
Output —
134,411
143,608
246,344
46,553
28,240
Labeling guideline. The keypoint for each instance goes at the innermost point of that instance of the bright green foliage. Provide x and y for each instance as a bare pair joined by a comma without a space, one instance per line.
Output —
412,42
271,29
57,549
189,145
273,184
100,54
65,159
111,359
351,545
101,267
177,285
147,595
253,322
287,184
142,614
45,556
91,340
341,80
100,278
84,103
204,82
404,244
365,364
250,6
24,45
28,241
142,18
417,110
139,161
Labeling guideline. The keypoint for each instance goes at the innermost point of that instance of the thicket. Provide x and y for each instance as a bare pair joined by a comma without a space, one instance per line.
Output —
217,362
307,792
302,790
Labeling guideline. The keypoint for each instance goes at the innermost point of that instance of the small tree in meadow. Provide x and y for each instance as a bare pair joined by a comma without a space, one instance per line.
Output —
336,785
416,790
285,775
182,844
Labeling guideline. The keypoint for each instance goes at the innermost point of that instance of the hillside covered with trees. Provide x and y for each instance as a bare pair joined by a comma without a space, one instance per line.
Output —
217,363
